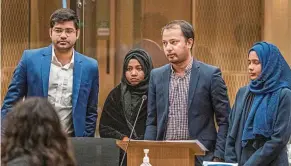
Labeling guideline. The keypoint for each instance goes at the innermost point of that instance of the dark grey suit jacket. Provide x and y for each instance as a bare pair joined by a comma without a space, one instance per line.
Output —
207,99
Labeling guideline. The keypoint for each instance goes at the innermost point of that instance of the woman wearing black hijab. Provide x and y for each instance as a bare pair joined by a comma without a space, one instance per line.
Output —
122,104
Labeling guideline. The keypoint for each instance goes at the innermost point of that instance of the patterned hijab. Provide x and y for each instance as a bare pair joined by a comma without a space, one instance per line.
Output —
275,76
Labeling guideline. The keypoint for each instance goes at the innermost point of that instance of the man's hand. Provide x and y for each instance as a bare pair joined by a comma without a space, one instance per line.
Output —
125,138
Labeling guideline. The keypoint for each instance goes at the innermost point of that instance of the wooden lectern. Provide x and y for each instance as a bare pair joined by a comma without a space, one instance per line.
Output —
163,153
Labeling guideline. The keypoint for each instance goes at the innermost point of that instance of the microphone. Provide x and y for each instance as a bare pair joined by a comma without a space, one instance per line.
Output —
144,97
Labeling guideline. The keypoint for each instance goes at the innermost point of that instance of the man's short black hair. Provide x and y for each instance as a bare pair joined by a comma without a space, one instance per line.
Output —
62,15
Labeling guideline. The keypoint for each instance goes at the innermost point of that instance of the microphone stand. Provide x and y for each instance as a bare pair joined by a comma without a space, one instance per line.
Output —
144,97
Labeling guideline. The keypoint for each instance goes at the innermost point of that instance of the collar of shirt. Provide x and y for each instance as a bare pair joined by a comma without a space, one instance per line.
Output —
187,69
55,60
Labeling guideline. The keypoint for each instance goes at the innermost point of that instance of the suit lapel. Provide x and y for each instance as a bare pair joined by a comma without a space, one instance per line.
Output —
77,75
45,69
193,81
165,86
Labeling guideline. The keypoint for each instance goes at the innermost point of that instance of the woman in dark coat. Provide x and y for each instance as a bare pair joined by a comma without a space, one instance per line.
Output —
260,119
122,104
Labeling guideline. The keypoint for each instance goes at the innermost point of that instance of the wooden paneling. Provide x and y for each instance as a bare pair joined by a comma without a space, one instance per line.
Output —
39,21
124,33
277,25
142,28
225,31
23,27
14,38
156,14
105,45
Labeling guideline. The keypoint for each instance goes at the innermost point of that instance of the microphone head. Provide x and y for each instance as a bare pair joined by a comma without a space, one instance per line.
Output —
144,97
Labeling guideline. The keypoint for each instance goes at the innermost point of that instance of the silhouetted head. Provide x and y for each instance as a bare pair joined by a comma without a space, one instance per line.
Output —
33,129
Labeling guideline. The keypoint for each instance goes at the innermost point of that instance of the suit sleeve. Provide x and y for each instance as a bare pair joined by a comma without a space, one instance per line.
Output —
151,124
230,154
91,114
279,139
18,86
220,104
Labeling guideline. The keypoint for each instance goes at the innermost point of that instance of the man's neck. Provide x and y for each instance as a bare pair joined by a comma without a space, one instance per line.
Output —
64,57
181,67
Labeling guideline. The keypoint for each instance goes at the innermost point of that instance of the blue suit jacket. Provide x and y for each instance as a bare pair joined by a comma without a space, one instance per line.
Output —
207,96
31,78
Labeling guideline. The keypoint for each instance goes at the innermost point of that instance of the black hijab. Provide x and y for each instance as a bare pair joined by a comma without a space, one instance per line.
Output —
146,62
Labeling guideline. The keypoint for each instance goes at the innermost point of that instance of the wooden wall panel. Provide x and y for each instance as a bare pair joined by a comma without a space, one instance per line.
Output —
139,24
39,24
277,25
25,25
14,38
225,31
124,33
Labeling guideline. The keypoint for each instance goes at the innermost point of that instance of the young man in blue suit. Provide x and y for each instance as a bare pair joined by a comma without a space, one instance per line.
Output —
67,78
185,96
